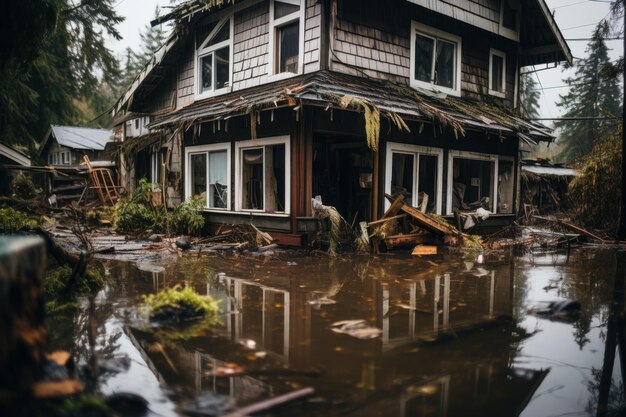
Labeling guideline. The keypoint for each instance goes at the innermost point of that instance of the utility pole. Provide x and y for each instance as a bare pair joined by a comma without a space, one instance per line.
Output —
622,217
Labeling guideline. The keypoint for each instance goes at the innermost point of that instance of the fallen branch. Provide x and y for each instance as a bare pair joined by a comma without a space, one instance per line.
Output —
573,227
271,403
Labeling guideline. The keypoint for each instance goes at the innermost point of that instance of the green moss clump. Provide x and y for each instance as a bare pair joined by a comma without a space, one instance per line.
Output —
75,406
12,221
472,242
61,294
178,304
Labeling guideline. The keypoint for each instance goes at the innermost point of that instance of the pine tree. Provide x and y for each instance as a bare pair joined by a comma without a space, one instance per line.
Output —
591,94
68,62
530,96
152,38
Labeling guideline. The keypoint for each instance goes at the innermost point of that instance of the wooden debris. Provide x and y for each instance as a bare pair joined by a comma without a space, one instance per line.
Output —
408,240
573,227
420,250
271,402
53,389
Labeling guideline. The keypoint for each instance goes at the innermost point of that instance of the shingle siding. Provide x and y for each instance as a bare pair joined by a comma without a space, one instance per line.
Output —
250,45
312,35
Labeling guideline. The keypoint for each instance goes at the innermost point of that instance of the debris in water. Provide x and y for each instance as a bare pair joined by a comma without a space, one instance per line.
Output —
356,328
248,343
127,403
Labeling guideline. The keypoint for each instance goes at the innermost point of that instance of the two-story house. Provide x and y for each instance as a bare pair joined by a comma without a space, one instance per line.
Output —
260,106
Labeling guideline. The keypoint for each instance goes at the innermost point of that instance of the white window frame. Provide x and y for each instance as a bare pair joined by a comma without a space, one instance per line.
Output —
415,150
478,157
155,169
502,55
276,24
514,199
203,50
506,32
206,149
433,33
262,143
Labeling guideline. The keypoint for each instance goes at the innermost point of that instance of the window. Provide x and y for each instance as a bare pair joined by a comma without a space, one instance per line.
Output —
480,180
214,59
263,175
415,172
510,13
208,172
286,37
497,73
157,160
435,59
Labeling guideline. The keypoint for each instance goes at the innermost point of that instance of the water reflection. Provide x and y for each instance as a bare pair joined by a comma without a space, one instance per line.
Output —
455,339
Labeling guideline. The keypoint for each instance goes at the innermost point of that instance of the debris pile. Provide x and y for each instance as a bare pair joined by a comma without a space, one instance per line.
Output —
404,226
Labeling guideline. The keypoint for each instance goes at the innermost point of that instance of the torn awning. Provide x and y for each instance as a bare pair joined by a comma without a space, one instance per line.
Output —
327,88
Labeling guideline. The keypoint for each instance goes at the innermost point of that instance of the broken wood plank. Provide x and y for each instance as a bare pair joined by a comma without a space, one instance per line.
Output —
427,221
573,227
387,219
271,402
395,206
420,250
407,240
52,389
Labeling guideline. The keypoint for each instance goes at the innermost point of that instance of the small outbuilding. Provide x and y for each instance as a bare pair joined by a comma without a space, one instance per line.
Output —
66,145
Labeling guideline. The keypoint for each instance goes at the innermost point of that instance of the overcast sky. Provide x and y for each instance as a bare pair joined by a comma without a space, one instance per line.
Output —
576,18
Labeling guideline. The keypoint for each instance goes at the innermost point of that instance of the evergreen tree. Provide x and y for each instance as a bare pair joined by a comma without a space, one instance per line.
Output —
67,64
591,94
530,96
152,38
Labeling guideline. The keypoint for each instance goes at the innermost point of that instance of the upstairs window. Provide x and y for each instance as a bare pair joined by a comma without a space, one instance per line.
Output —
435,59
286,37
497,73
510,13
214,60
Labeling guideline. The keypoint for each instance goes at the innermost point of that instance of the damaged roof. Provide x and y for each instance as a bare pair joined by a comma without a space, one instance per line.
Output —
78,137
327,89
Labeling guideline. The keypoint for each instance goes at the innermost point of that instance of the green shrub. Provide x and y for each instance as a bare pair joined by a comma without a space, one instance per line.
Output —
60,293
12,221
186,217
595,194
23,187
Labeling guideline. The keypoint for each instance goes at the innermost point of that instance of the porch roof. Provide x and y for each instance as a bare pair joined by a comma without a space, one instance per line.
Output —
327,89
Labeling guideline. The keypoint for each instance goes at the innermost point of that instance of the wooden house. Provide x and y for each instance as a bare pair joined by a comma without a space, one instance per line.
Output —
67,145
261,106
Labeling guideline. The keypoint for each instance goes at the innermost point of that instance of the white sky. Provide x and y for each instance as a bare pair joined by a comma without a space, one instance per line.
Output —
576,18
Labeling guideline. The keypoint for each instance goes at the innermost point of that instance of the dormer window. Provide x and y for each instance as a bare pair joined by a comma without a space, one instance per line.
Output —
435,59
497,73
286,37
213,64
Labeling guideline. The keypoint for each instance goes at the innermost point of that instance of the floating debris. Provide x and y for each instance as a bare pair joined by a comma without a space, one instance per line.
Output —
356,328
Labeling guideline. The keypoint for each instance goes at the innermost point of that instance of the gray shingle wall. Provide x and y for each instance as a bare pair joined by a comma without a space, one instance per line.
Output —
312,33
489,9
251,46
374,52
185,94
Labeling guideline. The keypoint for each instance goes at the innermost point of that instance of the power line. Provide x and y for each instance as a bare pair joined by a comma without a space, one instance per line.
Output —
619,38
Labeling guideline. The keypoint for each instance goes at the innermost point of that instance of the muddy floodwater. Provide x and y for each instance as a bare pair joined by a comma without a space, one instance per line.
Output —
391,335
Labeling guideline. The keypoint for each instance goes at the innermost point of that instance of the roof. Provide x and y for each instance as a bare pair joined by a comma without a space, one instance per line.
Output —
18,157
79,137
554,171
327,89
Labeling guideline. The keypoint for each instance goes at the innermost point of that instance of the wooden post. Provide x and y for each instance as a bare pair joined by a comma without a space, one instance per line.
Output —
22,313
375,196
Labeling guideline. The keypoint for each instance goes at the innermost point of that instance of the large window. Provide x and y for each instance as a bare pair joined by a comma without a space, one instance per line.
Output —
263,175
208,173
214,60
286,36
480,180
416,173
435,59
497,73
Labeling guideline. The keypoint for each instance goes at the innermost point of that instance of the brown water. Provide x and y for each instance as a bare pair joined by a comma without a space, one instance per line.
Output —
455,336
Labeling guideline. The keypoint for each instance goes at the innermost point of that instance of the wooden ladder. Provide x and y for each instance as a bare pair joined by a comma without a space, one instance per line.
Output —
102,183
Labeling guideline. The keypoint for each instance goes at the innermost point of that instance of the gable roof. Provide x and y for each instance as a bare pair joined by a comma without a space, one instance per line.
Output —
327,89
78,137
18,157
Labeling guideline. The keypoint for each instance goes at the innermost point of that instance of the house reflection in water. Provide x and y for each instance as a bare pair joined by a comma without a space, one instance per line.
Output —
282,317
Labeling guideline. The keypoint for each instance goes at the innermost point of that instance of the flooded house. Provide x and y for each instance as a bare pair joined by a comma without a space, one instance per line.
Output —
260,106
